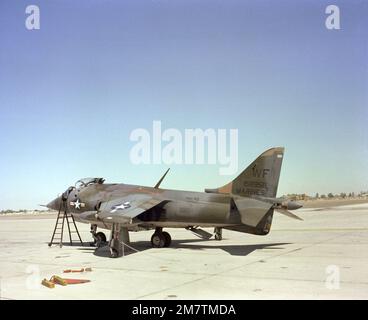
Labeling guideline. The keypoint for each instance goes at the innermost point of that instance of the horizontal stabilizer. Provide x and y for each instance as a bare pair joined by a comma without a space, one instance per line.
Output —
288,213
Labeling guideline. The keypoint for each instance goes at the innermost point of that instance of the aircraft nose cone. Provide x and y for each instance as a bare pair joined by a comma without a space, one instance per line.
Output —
54,204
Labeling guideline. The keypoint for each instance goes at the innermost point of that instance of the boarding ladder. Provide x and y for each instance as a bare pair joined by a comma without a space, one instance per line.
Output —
62,217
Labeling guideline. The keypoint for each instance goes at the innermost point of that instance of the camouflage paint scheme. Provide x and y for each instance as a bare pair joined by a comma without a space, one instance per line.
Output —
246,204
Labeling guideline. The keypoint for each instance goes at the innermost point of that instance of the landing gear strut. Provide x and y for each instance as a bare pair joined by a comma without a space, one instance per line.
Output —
99,238
160,238
218,233
119,237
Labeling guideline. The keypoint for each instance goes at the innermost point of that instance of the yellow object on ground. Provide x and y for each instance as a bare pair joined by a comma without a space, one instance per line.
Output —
58,280
48,283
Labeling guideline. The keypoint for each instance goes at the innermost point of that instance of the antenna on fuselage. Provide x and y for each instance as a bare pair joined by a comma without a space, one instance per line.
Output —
162,178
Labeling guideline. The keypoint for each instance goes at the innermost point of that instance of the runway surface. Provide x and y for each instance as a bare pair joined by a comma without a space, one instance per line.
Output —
323,257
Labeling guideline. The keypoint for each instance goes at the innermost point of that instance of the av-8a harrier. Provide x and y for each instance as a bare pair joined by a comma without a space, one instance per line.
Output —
246,204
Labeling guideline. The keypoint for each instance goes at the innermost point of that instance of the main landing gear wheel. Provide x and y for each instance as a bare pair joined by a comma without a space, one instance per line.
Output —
167,239
160,239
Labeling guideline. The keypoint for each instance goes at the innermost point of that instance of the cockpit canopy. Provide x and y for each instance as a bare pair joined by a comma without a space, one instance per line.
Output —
82,183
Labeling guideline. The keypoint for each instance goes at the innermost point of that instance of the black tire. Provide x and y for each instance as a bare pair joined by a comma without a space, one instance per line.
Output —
101,237
158,240
167,239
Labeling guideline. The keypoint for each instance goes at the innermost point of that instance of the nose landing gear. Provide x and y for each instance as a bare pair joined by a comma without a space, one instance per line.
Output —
99,238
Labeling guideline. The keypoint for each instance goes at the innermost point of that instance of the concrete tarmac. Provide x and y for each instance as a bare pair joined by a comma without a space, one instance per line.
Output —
323,257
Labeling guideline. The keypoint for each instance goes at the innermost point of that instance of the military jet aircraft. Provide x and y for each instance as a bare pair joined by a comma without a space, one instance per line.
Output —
246,204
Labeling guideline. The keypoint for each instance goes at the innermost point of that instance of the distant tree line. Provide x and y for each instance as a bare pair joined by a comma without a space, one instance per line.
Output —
330,195
20,211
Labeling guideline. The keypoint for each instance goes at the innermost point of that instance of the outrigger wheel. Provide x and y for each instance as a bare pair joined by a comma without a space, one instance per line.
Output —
218,233
160,239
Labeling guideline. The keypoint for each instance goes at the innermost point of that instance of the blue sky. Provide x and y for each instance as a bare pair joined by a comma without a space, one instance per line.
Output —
72,92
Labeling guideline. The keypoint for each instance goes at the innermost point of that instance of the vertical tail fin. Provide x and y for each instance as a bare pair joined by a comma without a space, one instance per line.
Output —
261,178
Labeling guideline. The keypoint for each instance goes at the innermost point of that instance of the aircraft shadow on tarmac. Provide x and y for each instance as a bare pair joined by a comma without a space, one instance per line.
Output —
141,246
235,250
